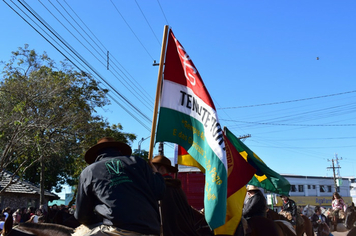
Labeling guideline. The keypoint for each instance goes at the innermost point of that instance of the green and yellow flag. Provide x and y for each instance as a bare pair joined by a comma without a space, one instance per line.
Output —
264,177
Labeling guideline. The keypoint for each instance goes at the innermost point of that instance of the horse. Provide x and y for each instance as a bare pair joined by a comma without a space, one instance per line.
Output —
42,229
352,232
306,227
309,210
201,226
350,216
262,226
259,226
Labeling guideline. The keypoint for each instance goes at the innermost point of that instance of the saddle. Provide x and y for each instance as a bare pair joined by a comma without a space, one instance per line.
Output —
288,216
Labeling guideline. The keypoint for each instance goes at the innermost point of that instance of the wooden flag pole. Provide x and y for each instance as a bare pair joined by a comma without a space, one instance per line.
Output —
158,91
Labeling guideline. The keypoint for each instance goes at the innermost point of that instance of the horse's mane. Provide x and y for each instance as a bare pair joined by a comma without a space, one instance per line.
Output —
55,229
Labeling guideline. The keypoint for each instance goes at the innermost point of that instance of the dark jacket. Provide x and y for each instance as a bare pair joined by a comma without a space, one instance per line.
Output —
177,215
123,191
314,220
255,206
291,207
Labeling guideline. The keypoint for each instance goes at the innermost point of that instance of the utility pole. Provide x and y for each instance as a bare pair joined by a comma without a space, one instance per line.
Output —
139,145
337,167
243,137
160,149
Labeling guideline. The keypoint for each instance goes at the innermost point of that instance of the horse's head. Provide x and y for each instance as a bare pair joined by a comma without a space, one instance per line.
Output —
308,210
350,218
305,210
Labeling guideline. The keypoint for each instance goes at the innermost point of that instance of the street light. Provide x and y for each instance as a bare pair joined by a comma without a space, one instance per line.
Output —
139,145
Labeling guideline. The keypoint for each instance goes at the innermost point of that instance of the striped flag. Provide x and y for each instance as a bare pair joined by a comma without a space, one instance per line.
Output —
265,177
188,117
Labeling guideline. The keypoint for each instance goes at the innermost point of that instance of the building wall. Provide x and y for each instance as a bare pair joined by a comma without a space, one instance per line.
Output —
305,190
315,190
18,201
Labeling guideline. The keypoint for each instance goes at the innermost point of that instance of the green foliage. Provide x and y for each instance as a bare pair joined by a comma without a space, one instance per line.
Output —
47,115
143,154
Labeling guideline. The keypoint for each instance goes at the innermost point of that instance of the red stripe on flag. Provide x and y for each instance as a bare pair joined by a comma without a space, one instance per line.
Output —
240,171
180,69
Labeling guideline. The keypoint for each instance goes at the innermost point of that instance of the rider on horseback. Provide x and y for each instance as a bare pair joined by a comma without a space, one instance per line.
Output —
118,193
290,206
338,209
256,204
320,222
177,214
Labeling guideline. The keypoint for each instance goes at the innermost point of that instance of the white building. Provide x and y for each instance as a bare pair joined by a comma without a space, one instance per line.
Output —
315,190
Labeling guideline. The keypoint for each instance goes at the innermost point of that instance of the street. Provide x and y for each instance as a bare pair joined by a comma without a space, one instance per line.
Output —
341,233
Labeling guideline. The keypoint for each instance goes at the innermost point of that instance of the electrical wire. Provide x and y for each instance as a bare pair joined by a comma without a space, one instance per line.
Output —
296,100
71,49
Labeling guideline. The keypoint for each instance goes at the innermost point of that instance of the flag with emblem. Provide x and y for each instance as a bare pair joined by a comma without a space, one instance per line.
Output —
264,177
240,173
188,117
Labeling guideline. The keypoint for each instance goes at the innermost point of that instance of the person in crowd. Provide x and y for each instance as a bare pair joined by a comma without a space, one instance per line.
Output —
54,215
2,221
338,208
256,204
290,206
177,214
34,218
6,212
16,217
118,191
320,222
24,216
44,211
41,219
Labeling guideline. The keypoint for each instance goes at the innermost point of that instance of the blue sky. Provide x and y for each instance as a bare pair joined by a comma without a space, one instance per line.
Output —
258,60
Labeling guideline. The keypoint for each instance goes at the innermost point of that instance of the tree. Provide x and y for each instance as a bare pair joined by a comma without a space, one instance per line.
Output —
141,153
47,117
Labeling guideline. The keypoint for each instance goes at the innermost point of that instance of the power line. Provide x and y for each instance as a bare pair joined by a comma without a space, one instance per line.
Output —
159,43
308,125
296,100
131,29
137,95
73,51
144,96
162,12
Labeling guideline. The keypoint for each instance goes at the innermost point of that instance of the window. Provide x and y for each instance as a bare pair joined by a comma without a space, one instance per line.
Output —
313,186
322,189
293,188
329,188
300,188
309,187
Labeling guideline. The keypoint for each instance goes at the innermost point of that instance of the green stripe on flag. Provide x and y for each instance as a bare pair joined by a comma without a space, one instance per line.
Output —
176,127
265,177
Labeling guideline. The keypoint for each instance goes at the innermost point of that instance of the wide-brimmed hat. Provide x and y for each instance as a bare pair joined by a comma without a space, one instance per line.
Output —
164,161
251,188
105,142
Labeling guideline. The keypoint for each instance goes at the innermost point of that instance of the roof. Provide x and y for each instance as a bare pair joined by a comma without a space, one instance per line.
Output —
22,186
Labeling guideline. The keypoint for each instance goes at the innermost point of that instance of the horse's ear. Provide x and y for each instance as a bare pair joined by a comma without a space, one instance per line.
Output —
8,225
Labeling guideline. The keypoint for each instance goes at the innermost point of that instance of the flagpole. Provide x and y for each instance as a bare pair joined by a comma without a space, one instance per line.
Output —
158,91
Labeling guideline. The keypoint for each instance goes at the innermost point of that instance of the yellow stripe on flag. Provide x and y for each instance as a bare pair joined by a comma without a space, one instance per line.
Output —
260,178
188,160
234,208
